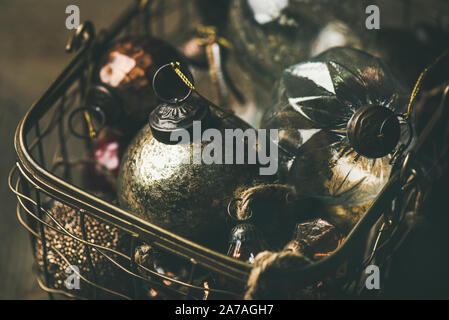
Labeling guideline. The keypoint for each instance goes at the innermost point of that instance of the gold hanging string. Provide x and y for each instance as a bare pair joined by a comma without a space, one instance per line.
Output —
177,68
418,84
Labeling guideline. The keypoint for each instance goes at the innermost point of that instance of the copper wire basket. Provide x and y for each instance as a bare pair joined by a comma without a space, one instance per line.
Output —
34,179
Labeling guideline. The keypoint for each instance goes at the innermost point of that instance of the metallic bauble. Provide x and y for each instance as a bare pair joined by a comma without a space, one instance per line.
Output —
126,71
271,35
160,183
313,103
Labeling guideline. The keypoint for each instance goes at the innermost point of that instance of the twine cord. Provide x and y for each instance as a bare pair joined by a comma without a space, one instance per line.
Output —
281,192
260,284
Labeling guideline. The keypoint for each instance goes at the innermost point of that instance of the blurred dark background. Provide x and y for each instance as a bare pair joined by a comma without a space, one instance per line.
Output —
33,36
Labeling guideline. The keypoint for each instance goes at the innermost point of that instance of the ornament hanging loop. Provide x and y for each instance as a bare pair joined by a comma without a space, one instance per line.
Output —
163,79
87,112
185,79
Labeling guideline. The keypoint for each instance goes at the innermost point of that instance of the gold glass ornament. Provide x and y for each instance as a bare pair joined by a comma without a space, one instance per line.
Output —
159,179
339,117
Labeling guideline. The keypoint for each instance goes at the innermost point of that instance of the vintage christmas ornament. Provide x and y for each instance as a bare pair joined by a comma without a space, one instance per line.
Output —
245,242
340,119
129,67
121,93
271,35
175,271
63,251
167,183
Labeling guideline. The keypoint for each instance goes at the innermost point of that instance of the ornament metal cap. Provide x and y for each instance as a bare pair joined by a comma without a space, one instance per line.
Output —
108,101
373,131
101,105
244,232
178,109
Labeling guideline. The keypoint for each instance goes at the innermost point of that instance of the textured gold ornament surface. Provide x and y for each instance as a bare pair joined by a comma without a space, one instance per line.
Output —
160,183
